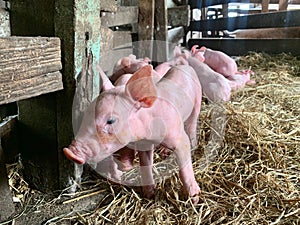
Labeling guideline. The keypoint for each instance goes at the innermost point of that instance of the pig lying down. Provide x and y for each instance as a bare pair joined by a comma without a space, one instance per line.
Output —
145,113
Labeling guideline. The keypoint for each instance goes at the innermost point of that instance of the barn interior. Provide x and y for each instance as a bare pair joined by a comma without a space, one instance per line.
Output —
48,52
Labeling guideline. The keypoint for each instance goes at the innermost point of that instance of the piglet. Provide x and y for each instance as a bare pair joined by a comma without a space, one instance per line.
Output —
217,60
146,113
214,85
128,65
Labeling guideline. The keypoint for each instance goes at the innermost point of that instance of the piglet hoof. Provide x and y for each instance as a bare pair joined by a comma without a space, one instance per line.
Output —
148,191
125,165
195,199
194,194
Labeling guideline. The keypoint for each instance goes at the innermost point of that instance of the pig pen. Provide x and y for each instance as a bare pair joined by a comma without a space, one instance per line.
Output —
254,178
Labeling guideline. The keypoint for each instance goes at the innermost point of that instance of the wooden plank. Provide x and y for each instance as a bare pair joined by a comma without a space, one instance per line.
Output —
271,19
206,3
112,39
122,38
28,88
108,6
4,22
179,16
175,34
161,31
233,46
29,67
145,29
123,15
107,36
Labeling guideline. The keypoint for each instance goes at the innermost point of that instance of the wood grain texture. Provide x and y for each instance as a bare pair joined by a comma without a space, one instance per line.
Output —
29,67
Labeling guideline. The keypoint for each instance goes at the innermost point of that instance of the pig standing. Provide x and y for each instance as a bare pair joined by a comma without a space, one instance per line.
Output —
146,113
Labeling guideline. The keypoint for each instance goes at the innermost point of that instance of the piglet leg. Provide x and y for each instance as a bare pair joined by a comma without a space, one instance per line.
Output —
146,163
124,158
186,172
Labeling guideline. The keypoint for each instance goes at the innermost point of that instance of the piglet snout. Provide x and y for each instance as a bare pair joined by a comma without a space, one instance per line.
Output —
71,156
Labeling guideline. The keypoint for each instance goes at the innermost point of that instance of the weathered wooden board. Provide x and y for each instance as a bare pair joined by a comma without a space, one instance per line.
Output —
108,6
271,19
179,16
206,3
29,67
4,22
112,39
145,28
232,46
161,31
175,34
123,15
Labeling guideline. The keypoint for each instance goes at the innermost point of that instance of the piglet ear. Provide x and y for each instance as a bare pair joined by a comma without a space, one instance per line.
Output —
106,84
177,51
194,48
141,87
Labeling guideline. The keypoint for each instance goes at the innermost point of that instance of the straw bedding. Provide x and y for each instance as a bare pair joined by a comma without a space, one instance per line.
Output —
252,177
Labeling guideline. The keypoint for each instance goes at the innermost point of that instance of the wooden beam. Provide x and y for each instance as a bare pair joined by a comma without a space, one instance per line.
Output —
145,29
233,46
161,32
179,16
201,4
123,15
29,67
271,19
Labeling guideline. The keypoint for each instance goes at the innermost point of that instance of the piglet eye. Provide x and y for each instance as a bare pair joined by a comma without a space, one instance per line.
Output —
111,120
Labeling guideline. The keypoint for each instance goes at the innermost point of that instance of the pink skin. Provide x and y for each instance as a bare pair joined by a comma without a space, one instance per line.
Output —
228,68
214,86
217,60
179,59
128,65
140,111
125,156
237,81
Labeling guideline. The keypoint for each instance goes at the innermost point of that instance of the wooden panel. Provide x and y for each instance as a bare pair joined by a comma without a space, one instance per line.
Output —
29,67
124,15
233,46
271,19
179,16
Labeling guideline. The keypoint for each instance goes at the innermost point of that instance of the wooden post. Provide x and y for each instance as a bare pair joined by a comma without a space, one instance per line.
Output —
283,5
161,32
145,28
77,23
265,5
46,121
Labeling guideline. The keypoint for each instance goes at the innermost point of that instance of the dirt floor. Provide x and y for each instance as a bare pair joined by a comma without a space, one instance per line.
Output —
253,179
